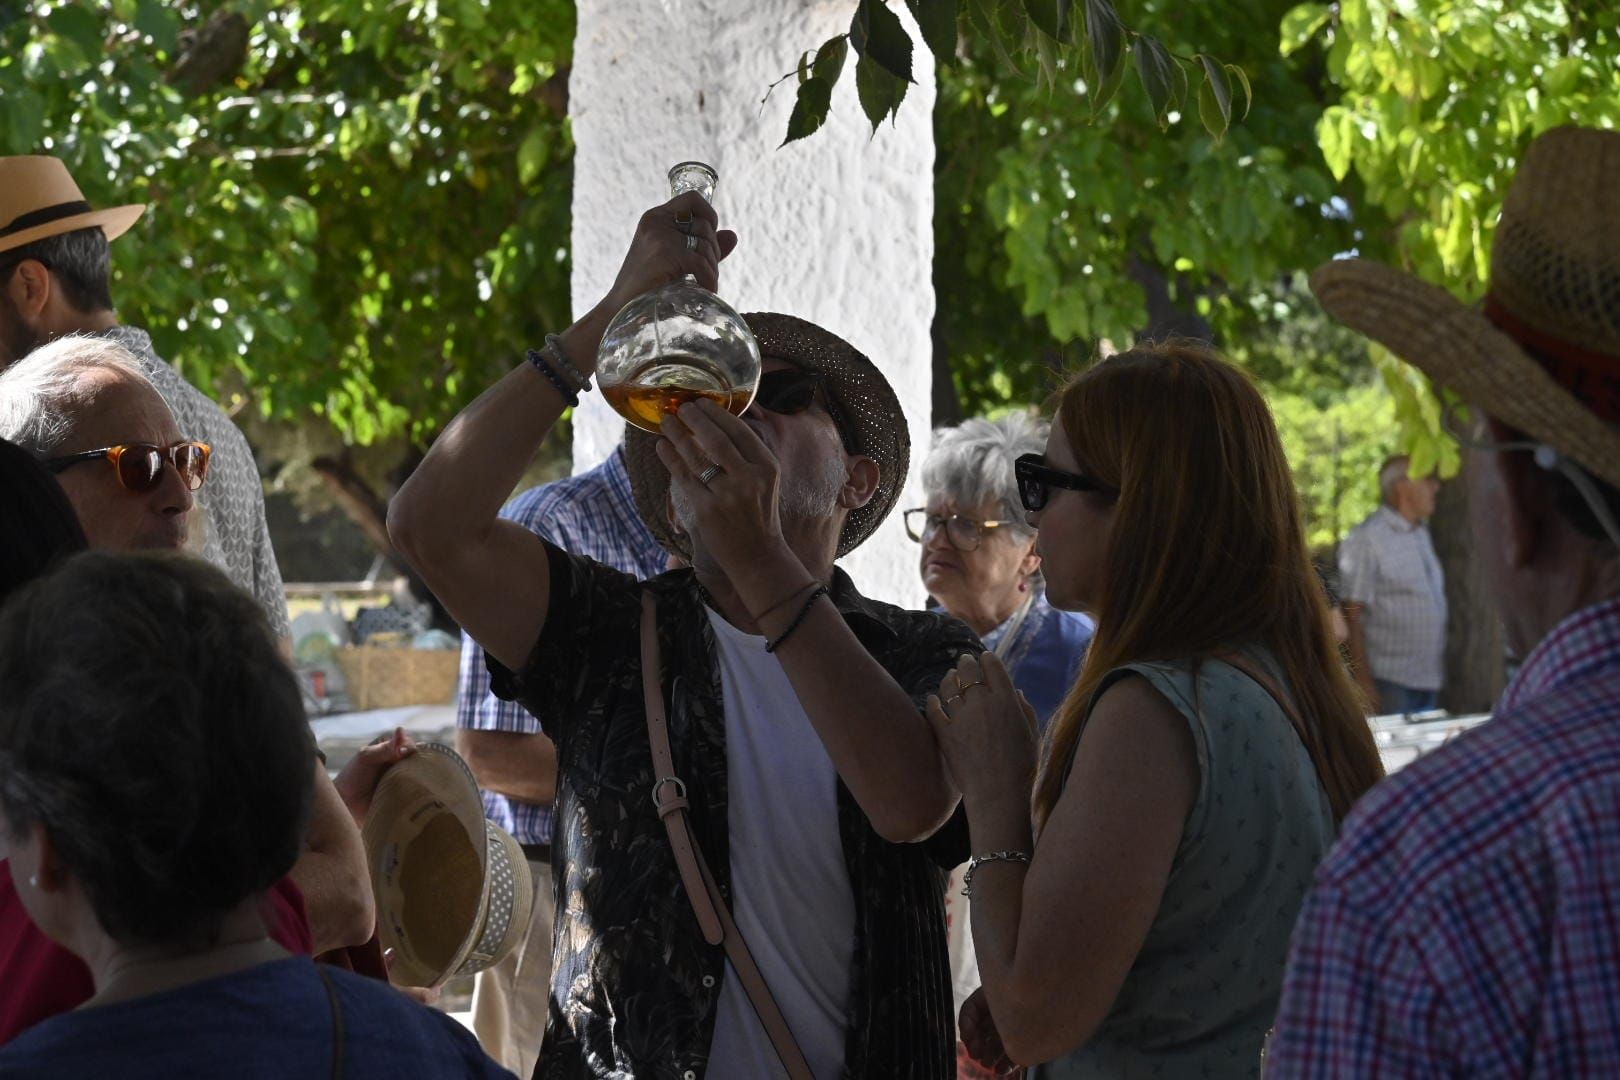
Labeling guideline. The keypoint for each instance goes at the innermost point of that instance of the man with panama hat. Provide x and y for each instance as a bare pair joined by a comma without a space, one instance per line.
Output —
785,717
1464,923
54,266
54,259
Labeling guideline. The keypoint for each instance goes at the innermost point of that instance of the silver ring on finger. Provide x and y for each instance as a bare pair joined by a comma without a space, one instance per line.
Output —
709,474
683,222
691,242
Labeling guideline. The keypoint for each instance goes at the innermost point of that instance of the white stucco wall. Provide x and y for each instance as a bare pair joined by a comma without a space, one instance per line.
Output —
837,228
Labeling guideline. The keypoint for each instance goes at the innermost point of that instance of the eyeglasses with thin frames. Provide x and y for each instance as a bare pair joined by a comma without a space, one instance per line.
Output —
1467,426
963,532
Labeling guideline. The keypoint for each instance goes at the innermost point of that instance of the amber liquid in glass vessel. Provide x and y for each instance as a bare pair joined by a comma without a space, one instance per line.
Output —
662,387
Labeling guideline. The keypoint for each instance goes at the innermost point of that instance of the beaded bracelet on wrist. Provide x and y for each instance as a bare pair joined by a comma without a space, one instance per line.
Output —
816,594
561,385
581,381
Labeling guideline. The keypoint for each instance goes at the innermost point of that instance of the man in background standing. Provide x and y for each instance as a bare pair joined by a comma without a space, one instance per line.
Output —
54,271
1394,595
592,514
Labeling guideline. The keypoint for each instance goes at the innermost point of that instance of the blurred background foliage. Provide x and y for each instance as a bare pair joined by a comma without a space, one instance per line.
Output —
361,207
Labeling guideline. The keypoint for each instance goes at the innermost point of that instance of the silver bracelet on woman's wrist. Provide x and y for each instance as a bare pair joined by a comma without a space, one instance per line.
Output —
993,856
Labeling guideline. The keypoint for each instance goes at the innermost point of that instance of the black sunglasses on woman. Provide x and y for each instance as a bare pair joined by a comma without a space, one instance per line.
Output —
1036,479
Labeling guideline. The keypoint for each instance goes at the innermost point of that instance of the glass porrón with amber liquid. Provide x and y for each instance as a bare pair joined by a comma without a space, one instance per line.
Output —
678,342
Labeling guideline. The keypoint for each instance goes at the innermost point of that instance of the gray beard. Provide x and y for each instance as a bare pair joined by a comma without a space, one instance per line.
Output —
804,498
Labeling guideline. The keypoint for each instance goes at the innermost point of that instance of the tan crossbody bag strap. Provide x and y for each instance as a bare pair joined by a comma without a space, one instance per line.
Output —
714,918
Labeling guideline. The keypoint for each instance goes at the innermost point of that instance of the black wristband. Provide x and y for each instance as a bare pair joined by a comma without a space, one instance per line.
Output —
538,359
820,591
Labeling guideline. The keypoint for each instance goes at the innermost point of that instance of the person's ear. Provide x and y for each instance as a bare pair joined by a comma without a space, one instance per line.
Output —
1032,560
1526,508
30,289
50,873
671,516
861,482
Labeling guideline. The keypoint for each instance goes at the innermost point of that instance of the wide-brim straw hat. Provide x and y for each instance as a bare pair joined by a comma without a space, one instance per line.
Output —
453,891
868,413
1542,352
38,198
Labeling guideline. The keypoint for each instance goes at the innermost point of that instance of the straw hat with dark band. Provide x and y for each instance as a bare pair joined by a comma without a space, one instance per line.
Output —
865,406
1542,353
38,199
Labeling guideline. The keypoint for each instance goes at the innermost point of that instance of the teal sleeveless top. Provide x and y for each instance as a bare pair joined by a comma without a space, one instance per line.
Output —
1203,991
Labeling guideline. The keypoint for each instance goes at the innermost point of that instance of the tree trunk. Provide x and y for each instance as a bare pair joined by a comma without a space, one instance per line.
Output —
368,510
946,406
1166,318
1475,673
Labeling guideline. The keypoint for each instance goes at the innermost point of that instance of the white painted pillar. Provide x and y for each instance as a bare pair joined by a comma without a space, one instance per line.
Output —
836,228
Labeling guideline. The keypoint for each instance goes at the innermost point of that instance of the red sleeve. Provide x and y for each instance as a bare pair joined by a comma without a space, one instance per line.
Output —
38,978
286,919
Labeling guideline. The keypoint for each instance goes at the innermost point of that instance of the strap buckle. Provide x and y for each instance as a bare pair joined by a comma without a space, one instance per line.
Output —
680,794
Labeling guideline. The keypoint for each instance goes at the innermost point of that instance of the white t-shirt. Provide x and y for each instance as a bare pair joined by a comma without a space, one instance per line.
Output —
789,885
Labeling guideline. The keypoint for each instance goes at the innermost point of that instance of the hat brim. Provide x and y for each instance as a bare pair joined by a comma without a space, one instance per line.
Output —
427,851
869,411
115,221
1459,348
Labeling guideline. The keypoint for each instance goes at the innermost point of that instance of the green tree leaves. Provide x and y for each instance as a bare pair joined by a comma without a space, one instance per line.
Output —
1047,40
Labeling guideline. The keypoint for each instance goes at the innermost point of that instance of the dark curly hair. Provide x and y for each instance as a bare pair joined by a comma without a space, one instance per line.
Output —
38,527
149,723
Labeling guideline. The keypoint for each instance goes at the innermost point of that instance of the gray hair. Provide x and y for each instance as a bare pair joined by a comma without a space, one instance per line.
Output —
972,463
42,395
1392,473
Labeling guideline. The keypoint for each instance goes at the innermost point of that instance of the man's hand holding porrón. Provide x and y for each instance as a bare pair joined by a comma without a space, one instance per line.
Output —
659,252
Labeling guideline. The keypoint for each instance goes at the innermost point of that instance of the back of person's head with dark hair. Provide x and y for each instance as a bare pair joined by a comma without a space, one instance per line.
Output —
38,527
150,725
81,260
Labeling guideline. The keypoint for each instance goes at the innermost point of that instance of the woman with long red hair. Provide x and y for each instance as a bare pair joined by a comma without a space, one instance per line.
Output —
1199,768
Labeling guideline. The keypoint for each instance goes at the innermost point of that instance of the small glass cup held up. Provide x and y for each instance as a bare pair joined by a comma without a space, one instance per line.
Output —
678,342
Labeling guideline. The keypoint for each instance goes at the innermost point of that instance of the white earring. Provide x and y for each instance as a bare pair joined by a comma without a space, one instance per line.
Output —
33,881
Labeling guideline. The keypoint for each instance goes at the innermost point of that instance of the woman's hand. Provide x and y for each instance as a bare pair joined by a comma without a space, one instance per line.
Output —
737,509
977,1030
357,783
986,731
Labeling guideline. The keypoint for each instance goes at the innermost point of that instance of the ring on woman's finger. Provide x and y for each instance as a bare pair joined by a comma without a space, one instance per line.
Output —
709,474
947,701
691,242
683,221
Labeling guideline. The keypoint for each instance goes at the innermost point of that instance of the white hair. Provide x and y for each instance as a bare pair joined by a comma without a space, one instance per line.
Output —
43,394
972,463
1393,472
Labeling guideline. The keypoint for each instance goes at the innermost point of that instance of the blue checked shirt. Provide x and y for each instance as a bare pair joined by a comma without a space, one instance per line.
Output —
594,515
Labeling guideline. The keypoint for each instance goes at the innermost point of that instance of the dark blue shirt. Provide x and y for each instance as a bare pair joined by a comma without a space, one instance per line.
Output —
273,1020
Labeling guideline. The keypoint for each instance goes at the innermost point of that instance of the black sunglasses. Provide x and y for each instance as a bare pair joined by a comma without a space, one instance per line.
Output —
790,391
1036,479
787,392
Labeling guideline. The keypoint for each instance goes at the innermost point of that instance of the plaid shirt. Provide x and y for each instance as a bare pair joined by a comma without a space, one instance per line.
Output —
1388,565
1468,921
592,514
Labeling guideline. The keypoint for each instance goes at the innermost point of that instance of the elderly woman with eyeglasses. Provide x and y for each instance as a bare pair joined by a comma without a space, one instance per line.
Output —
979,564
979,561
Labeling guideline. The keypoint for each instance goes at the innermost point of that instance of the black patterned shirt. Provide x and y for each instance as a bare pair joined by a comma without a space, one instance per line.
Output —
634,986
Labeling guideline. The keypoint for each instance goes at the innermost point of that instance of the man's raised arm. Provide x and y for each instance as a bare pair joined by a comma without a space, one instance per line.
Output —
492,575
